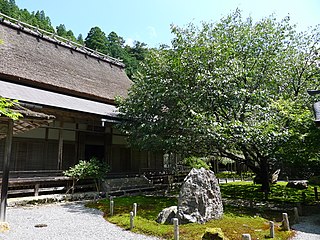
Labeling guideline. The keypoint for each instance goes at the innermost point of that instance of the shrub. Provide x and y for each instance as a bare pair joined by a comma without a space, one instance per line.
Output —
87,169
196,162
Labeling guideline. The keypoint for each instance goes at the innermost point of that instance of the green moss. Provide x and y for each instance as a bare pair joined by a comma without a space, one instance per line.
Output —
234,223
213,233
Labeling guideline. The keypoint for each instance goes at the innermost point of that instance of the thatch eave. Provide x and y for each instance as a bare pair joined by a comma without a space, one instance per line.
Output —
31,58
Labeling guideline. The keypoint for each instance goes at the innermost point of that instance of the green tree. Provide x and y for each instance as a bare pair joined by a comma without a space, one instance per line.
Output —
97,40
233,89
115,45
93,168
40,20
136,56
9,8
80,39
63,32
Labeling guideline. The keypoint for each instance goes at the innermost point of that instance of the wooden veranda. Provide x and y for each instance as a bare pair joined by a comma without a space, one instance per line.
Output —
8,127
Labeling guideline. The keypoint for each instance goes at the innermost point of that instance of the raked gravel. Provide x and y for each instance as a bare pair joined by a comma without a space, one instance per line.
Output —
63,221
308,228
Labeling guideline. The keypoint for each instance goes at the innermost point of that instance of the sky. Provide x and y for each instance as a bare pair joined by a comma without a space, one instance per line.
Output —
149,21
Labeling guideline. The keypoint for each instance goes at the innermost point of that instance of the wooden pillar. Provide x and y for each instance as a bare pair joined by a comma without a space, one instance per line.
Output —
5,174
60,147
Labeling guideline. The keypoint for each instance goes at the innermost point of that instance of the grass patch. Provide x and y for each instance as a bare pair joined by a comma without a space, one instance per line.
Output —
234,223
279,192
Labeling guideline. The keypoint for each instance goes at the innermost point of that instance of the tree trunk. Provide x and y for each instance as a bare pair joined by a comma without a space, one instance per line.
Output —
264,174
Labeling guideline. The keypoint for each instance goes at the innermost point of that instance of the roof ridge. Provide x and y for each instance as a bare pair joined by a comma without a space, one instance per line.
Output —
53,37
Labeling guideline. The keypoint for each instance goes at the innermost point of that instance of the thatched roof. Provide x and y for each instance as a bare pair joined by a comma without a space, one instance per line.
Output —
29,120
31,58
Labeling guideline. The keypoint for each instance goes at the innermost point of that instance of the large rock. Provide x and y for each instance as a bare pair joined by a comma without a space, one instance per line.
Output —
200,198
297,184
167,214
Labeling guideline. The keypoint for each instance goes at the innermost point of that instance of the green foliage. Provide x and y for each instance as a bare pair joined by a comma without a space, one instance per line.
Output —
234,89
235,222
227,175
114,46
88,169
6,108
63,32
278,193
315,180
196,162
97,40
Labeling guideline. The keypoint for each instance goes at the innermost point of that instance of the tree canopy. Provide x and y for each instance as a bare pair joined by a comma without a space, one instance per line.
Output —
233,89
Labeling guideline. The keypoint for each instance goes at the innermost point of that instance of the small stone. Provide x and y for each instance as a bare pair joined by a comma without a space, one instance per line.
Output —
4,226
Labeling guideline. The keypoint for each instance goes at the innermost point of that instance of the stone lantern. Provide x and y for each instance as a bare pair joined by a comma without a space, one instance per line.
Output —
316,107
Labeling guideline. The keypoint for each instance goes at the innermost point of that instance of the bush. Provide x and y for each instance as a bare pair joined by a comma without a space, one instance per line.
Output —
314,180
227,175
196,162
87,169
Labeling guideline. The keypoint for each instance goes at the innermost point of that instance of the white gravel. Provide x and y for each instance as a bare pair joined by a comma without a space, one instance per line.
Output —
73,221
308,228
63,221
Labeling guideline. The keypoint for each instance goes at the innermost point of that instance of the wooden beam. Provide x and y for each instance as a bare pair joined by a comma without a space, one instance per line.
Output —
5,174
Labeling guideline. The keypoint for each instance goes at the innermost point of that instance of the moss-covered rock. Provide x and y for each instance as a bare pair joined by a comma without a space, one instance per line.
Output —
213,234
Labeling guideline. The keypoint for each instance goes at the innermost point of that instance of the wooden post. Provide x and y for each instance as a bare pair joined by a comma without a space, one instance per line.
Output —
60,147
246,236
176,228
134,209
131,221
285,222
296,214
226,180
5,173
299,209
36,189
271,229
111,207
316,193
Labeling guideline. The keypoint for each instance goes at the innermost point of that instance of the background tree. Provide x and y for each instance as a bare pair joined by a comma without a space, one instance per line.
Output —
97,40
9,8
233,89
137,54
63,32
80,39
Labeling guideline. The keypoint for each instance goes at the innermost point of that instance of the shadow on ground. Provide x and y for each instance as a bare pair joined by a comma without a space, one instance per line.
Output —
79,207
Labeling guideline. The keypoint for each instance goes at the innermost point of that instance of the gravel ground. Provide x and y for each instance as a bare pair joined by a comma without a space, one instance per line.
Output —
73,221
308,228
63,221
